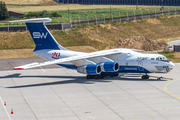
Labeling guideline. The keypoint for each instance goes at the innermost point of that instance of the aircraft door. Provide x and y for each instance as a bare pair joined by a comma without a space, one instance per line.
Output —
140,66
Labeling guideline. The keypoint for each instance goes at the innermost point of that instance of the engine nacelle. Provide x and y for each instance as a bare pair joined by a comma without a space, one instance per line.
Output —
109,67
90,69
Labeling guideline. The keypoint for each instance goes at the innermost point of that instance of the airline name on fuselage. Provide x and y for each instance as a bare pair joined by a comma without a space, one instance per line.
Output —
142,58
130,68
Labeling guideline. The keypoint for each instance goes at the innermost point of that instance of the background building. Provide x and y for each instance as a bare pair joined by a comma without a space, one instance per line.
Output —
123,2
15,14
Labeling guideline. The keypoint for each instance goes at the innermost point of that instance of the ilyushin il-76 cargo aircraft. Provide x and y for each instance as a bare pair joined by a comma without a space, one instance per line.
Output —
96,64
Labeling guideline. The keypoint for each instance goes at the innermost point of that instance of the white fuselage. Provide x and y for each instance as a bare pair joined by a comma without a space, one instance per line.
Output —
101,63
128,60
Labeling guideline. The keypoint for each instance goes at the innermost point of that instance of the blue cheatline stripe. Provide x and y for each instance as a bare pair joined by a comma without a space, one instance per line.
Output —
122,69
42,37
133,69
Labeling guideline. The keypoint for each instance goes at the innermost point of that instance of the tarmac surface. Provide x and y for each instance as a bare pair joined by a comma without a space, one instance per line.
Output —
9,64
57,93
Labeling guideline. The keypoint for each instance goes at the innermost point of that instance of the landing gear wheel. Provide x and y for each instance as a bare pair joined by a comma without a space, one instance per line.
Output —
114,75
94,77
159,78
145,77
90,77
99,77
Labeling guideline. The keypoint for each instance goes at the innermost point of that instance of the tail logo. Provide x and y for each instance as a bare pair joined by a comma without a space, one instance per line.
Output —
56,55
39,35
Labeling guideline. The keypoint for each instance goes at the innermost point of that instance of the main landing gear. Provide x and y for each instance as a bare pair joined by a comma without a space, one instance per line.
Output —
145,77
94,77
99,76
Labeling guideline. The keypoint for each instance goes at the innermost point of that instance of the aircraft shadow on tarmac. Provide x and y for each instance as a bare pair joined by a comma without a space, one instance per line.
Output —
76,79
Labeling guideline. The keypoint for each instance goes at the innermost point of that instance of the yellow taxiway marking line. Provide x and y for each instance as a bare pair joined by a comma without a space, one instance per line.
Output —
136,118
167,110
170,92
152,114
167,92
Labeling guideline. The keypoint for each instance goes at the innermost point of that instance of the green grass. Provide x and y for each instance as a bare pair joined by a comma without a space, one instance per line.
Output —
173,56
103,37
71,38
89,14
98,36
168,54
75,15
165,52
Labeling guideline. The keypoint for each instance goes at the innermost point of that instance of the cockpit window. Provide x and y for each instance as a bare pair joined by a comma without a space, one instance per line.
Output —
152,58
162,58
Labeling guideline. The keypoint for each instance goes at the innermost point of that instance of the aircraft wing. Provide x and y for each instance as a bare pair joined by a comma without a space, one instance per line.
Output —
71,59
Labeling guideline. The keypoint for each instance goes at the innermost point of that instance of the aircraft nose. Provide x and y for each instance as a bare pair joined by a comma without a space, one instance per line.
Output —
171,65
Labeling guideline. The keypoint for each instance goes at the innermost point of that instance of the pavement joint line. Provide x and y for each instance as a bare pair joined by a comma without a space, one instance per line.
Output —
23,96
5,108
159,90
170,92
42,69
97,97
61,98
136,118
138,99
167,110
152,114
103,102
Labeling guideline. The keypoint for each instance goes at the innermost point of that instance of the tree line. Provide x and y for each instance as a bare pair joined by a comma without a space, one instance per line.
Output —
3,11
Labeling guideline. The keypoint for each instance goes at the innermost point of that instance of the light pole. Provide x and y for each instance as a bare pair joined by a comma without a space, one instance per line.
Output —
148,13
68,13
137,4
110,11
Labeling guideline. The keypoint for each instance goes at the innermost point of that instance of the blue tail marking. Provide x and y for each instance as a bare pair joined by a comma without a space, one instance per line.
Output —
42,37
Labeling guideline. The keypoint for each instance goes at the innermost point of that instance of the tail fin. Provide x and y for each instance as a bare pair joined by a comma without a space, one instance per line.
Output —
40,34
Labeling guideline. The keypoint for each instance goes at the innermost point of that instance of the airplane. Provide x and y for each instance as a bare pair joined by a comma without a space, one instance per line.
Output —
95,65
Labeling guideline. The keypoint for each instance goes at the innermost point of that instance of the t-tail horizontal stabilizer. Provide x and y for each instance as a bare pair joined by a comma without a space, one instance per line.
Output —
37,20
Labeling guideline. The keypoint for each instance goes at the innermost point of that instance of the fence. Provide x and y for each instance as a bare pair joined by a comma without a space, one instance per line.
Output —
122,2
96,20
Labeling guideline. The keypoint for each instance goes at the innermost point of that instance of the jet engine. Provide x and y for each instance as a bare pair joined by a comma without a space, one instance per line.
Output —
90,69
109,67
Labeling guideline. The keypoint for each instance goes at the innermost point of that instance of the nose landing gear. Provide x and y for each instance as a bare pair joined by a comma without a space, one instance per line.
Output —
158,78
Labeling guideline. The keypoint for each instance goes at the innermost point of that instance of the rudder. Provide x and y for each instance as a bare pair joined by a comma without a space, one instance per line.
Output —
42,37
